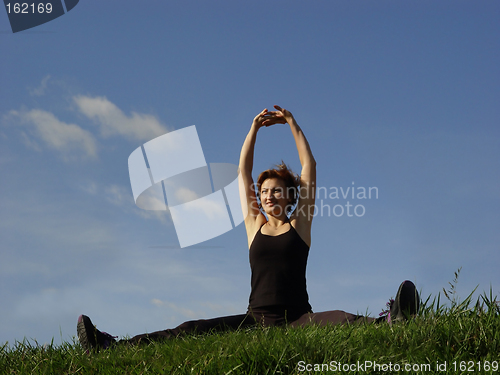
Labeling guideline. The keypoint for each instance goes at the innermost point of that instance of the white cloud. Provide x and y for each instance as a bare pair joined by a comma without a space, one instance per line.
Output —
119,195
30,143
122,196
69,139
89,187
72,141
209,207
40,90
162,216
157,302
113,121
184,195
184,312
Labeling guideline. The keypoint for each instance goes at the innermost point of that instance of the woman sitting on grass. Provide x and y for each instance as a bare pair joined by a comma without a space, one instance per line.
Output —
279,242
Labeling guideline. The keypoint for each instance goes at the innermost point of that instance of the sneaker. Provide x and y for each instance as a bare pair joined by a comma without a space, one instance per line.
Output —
406,304
90,337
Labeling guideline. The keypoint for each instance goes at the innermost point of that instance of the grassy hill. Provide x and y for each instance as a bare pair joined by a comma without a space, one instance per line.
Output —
463,337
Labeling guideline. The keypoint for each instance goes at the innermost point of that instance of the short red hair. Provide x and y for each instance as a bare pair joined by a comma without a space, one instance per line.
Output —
285,174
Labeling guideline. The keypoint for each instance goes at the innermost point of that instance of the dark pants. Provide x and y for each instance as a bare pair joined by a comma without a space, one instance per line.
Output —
264,317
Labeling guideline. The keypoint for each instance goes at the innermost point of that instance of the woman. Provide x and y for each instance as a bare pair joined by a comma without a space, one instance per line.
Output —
279,238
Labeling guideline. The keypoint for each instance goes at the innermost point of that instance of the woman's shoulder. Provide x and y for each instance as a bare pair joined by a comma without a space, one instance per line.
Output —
303,228
253,225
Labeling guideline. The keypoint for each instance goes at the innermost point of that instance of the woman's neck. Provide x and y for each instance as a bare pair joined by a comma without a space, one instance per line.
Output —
275,222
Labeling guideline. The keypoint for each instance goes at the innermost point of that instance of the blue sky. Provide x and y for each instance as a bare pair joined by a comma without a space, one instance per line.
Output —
398,96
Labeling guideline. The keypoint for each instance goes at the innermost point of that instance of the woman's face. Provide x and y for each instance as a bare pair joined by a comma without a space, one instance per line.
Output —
273,196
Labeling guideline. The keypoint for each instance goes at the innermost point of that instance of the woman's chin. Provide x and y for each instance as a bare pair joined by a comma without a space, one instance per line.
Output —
275,211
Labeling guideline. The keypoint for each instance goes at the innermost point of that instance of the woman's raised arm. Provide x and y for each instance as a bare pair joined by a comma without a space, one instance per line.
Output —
253,217
304,212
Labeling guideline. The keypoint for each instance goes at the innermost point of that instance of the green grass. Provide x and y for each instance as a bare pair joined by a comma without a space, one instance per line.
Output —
465,335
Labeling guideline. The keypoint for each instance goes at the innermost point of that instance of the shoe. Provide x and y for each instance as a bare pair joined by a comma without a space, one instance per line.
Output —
406,304
90,337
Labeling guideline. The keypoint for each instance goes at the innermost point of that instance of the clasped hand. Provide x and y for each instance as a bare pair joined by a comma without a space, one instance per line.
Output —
268,118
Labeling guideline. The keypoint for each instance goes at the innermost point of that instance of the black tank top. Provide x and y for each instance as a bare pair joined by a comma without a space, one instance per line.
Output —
278,265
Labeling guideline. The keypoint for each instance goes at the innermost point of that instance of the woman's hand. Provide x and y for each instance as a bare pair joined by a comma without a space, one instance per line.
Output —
280,116
266,118
286,114
260,119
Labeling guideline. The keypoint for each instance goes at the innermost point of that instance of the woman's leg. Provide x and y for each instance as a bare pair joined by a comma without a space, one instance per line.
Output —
406,305
231,322
330,317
